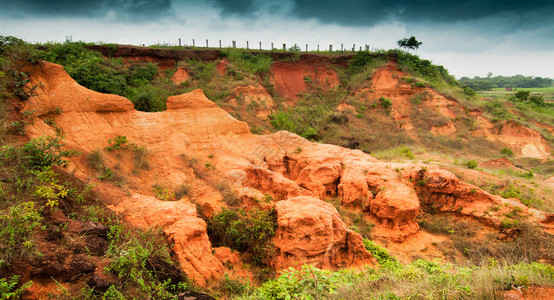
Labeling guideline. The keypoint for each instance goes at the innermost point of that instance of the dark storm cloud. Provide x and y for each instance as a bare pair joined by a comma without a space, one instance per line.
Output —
360,12
134,10
237,7
515,13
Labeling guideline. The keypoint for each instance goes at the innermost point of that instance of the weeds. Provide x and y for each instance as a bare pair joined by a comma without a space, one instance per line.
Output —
9,289
17,226
421,279
140,260
250,63
244,231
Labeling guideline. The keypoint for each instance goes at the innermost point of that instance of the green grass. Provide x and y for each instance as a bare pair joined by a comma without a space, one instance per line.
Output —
547,93
421,279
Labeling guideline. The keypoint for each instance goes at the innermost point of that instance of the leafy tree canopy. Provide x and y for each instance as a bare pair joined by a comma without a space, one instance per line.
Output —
409,43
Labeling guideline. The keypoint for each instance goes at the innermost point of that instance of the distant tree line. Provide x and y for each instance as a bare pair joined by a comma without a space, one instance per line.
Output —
518,81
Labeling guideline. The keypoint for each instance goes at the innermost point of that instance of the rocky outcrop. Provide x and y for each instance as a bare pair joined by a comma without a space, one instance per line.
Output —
184,229
311,231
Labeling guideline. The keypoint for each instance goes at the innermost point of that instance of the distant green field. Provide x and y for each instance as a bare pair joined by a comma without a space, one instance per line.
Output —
547,93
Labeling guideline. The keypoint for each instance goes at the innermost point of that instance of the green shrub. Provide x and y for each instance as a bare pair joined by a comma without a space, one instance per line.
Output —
385,102
46,151
522,95
244,231
413,64
88,67
116,143
282,121
537,100
381,254
498,111
163,193
511,191
132,253
259,64
359,61
307,283
471,164
509,223
201,70
149,97
507,152
49,188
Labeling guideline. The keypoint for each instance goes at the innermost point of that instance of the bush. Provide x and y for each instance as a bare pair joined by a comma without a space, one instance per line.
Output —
471,164
385,102
244,231
46,151
511,191
507,152
133,254
498,111
522,95
307,283
537,100
381,254
422,67
282,121
255,64
359,61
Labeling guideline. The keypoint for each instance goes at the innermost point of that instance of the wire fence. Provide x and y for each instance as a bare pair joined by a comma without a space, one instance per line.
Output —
207,44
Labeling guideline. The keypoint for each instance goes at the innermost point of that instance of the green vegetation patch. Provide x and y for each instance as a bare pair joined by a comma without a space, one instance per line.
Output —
244,231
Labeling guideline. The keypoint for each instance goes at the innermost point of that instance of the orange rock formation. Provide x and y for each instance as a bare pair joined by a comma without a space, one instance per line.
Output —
194,132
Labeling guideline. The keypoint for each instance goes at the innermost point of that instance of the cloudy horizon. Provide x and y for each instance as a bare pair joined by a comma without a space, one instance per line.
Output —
469,38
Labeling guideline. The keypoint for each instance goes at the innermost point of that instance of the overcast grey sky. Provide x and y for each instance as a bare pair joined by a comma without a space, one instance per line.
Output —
467,37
